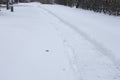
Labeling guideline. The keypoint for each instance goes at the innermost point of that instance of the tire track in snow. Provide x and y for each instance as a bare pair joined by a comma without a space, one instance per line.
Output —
108,53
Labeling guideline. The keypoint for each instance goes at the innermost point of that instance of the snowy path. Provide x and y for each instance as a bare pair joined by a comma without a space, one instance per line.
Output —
104,36
43,42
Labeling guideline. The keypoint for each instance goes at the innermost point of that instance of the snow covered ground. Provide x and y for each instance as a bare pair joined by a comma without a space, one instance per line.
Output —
53,42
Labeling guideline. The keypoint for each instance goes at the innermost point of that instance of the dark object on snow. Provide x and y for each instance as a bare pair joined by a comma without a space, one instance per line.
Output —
12,8
46,50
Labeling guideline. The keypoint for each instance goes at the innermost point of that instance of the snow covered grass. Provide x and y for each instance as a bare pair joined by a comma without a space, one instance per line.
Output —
54,42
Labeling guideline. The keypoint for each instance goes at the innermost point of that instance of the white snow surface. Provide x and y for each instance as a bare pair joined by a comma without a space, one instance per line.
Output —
54,42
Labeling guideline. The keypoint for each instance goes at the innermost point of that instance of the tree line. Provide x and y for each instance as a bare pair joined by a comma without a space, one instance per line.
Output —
111,7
